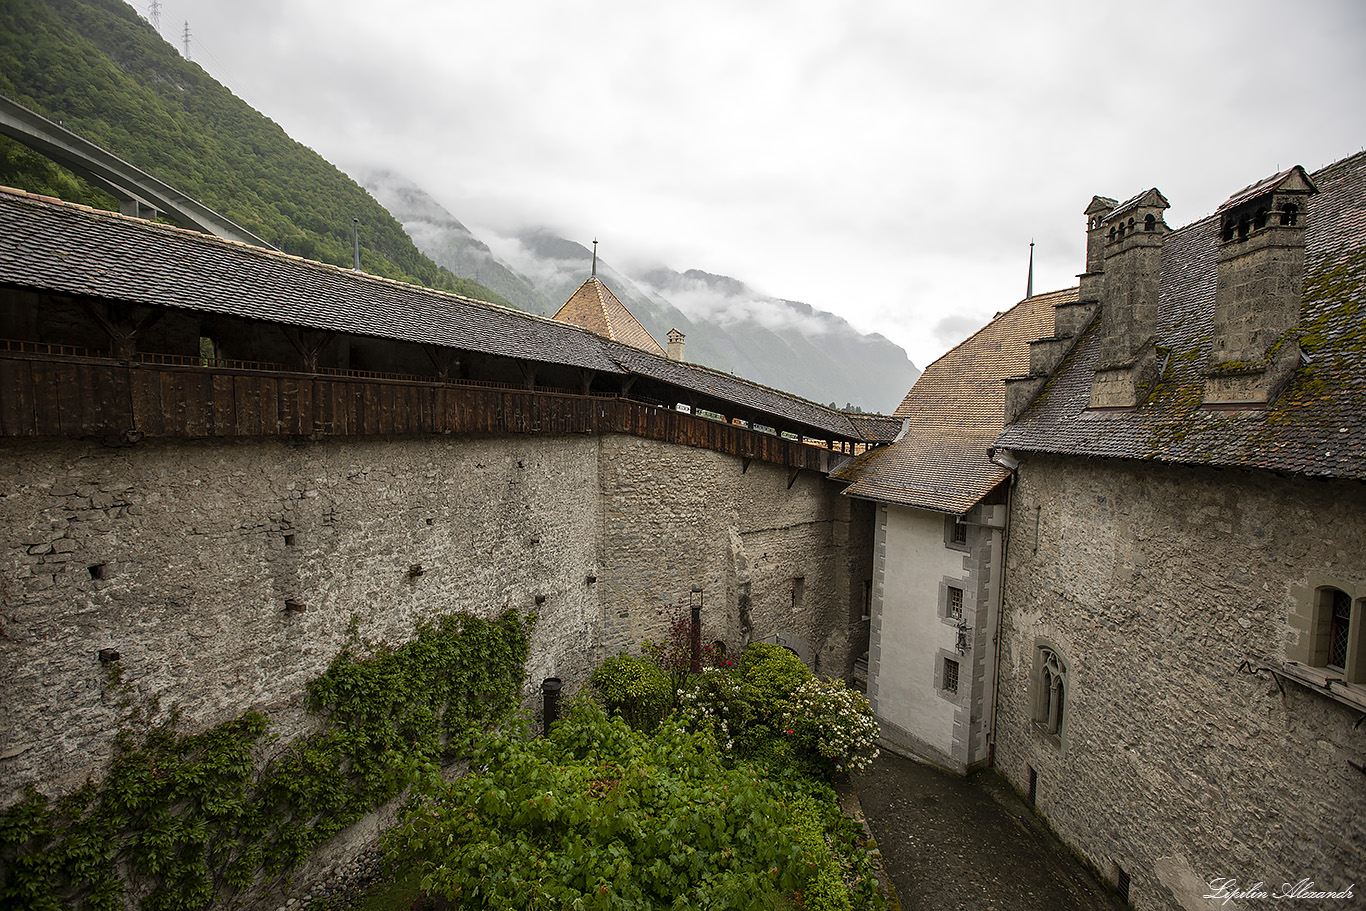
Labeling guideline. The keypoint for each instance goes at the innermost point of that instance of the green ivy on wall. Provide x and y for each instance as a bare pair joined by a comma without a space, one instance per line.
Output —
181,820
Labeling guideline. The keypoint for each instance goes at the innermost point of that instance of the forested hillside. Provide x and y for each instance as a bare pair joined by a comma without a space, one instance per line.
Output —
100,70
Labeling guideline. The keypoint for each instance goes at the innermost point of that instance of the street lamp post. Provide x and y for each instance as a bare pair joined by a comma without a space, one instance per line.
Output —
695,602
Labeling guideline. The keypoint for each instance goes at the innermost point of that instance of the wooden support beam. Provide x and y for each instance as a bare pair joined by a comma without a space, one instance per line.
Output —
309,343
528,373
122,325
446,361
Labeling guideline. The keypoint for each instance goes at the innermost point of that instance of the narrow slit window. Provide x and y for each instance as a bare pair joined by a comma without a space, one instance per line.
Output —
1340,625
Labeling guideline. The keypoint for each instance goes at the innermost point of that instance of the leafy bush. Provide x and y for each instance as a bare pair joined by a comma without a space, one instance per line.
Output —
843,877
770,674
635,689
598,815
832,724
186,820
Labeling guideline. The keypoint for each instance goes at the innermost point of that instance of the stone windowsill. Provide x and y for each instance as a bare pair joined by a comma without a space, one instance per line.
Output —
1325,681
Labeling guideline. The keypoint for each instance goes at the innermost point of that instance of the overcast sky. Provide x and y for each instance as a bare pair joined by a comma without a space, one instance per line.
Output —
889,161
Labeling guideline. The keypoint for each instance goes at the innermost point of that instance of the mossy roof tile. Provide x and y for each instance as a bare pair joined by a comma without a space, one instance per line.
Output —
1315,427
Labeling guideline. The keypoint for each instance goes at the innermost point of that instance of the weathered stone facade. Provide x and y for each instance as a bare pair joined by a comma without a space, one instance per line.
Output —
182,556
796,556
1175,764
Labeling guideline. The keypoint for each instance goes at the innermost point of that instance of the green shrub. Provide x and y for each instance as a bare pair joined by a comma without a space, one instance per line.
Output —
770,674
598,815
635,689
188,819
712,701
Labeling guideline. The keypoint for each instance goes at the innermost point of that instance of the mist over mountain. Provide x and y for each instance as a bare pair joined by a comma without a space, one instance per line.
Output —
785,344
802,348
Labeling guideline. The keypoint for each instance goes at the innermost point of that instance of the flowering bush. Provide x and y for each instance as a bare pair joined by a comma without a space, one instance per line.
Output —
711,702
832,722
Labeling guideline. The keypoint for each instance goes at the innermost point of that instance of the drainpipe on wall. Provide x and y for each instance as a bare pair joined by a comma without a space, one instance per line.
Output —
1012,466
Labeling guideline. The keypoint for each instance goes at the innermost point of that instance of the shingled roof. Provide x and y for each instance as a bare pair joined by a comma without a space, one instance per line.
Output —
594,307
953,414
53,246
1315,427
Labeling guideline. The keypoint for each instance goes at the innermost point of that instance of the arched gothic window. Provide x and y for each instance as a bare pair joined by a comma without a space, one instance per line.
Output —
1050,697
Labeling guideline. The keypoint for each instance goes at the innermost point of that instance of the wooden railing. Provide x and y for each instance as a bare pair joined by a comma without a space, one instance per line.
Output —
73,393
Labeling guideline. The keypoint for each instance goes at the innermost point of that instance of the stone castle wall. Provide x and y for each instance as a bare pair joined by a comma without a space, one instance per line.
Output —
181,555
1155,584
741,534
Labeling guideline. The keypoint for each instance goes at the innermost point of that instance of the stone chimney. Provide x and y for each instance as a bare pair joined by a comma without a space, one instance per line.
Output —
1070,318
1255,346
1130,237
676,345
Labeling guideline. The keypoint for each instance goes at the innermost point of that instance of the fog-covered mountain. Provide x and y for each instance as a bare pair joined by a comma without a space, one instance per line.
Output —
785,344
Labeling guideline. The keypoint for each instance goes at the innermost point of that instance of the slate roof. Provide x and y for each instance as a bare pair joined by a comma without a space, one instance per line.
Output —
1316,427
50,245
954,413
594,307
876,428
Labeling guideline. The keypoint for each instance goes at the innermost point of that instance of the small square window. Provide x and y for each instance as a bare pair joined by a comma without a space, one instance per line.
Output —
950,675
955,533
954,608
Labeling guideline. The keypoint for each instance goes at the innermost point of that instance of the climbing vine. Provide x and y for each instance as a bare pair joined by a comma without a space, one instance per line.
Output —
183,819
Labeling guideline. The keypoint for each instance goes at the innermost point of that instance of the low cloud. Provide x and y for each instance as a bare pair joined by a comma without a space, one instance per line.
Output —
702,300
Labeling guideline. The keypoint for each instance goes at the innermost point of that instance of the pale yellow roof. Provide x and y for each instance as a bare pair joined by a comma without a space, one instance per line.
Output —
953,414
594,307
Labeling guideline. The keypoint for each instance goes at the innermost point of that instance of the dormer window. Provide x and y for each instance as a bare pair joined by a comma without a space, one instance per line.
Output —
1290,214
1149,222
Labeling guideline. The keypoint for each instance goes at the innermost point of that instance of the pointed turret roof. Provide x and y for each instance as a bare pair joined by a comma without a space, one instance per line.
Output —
594,307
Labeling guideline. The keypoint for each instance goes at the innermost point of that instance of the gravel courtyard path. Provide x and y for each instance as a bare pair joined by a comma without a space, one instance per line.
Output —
969,844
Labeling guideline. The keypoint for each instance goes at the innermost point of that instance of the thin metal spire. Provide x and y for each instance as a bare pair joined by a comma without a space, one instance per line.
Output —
595,257
1029,287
